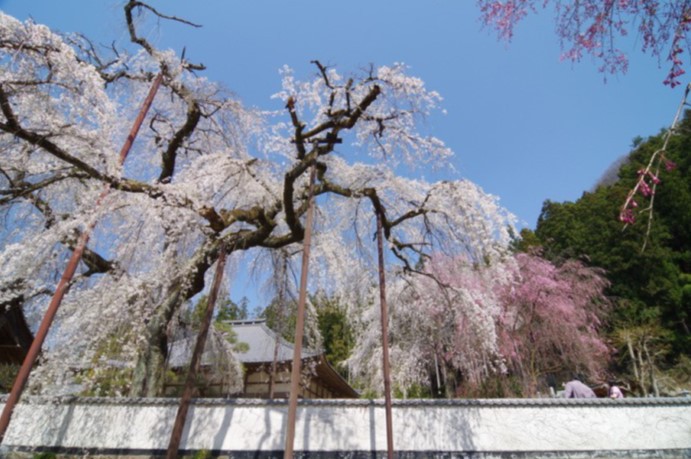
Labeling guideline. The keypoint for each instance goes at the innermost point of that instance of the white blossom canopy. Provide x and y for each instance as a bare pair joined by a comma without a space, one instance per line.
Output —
205,170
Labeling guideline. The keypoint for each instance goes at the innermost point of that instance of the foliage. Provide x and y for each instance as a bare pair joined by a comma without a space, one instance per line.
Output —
45,456
333,329
224,328
645,346
108,381
107,374
415,391
225,310
228,310
596,26
336,332
8,373
201,454
527,242
681,374
281,318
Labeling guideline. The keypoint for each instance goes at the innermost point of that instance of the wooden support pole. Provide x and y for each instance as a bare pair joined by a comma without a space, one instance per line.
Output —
296,369
67,275
176,434
385,338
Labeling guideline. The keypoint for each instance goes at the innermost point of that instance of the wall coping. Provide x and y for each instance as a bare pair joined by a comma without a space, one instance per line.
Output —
459,403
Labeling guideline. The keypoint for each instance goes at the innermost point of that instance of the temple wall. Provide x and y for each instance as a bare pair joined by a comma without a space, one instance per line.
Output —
334,428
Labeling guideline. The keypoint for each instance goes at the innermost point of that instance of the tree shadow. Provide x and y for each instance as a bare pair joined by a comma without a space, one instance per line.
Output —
329,425
443,429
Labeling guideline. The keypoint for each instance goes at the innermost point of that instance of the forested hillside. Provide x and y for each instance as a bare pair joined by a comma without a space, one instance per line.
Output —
648,262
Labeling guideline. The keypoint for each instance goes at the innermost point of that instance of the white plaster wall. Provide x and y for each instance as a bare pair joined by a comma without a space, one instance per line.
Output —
359,425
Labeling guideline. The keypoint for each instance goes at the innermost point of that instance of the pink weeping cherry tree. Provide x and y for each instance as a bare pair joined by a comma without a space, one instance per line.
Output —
467,327
551,320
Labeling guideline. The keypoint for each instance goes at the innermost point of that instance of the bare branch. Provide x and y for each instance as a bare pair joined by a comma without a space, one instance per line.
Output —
322,70
169,156
130,6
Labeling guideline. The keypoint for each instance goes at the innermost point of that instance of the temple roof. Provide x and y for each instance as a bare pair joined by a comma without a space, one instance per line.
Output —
263,342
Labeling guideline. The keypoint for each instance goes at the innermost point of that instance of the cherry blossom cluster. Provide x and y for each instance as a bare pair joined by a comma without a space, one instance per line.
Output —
645,186
594,26
677,49
647,179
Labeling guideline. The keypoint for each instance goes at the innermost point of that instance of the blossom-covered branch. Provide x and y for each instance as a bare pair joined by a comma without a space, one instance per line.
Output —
649,176
595,26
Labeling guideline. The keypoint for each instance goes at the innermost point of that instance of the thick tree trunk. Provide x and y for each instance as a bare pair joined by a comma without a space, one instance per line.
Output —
149,372
642,367
637,366
450,381
651,366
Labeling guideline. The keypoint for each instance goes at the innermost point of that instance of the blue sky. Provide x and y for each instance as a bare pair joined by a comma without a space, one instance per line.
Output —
524,125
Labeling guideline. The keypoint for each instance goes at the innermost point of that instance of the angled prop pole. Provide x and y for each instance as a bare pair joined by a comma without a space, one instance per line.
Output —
67,275
296,369
183,408
385,338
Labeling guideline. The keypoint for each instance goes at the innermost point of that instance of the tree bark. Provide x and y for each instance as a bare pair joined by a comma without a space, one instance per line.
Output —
149,371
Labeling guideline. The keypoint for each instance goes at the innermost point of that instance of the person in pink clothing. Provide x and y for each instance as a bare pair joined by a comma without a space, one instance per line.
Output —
576,389
614,391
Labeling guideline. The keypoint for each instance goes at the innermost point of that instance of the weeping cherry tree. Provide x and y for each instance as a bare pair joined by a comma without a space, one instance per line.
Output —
205,172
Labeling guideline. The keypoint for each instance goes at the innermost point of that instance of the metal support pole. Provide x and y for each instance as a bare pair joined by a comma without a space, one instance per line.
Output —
300,325
66,278
385,338
176,434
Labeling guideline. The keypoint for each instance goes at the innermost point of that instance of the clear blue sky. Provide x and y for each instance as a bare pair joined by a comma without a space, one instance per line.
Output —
524,125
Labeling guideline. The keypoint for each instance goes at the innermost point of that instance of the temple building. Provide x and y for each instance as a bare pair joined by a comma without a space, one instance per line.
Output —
266,361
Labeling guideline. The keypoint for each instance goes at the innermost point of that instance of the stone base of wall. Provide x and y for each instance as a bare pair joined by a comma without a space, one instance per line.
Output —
643,454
